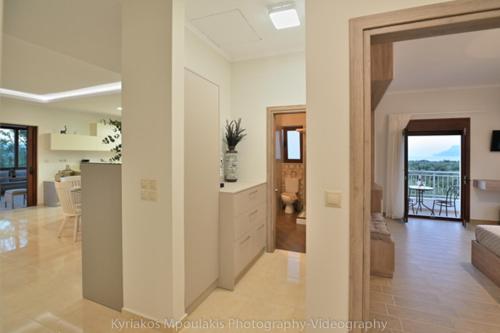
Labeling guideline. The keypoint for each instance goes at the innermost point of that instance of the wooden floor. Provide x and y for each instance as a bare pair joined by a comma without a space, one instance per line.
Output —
290,236
435,288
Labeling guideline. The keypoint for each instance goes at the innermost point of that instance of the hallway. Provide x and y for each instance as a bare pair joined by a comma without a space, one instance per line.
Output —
40,283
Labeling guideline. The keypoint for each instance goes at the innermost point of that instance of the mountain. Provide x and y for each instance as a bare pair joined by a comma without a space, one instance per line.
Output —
452,152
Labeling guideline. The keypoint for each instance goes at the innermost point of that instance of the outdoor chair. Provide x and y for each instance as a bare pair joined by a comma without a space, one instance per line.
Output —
450,201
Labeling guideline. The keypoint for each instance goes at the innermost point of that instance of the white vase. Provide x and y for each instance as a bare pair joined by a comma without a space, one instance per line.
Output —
231,166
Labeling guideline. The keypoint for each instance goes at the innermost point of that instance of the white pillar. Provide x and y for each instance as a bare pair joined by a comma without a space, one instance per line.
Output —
153,157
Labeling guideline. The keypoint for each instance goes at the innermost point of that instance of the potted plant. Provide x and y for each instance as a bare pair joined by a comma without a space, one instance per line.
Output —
114,139
234,134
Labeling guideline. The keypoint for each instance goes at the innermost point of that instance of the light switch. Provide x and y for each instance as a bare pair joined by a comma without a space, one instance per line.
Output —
333,199
149,190
148,184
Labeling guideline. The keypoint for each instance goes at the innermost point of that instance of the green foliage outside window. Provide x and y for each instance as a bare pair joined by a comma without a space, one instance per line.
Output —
425,165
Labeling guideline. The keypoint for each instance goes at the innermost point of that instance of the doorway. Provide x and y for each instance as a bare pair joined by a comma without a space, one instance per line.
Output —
287,137
18,166
366,80
437,159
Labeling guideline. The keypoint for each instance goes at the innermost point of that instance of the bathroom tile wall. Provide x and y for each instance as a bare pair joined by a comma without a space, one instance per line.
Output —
294,170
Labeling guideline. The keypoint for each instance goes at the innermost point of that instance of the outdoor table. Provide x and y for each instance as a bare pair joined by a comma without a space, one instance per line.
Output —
420,190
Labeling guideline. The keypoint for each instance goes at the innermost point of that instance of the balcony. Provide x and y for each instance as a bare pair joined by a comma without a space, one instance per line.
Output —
440,182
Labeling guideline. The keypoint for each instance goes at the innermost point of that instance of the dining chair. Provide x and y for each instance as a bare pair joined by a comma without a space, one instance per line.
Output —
70,199
76,181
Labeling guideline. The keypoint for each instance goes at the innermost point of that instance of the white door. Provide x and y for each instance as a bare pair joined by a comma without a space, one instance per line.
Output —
201,181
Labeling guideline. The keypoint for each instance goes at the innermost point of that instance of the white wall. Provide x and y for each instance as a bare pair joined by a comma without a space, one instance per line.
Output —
153,149
50,120
247,88
327,50
256,85
208,63
481,104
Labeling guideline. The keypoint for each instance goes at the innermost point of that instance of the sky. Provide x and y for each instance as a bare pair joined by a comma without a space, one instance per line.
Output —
434,147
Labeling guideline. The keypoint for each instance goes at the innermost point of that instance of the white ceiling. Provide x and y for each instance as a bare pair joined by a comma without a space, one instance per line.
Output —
242,29
86,36
35,69
459,60
105,104
88,30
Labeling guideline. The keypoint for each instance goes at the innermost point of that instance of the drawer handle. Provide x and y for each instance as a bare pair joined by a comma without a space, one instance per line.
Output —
253,193
245,240
262,226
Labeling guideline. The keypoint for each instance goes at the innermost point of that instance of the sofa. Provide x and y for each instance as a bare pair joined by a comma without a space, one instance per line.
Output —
12,179
382,249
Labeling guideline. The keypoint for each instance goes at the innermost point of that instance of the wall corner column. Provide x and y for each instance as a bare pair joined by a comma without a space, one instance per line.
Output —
153,157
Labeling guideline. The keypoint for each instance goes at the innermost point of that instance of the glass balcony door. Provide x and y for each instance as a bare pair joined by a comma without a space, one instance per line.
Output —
437,169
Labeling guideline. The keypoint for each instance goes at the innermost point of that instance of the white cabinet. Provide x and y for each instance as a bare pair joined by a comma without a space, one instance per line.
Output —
76,142
242,229
79,142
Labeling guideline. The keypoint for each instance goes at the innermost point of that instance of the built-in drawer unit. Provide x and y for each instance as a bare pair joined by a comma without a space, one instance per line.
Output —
242,229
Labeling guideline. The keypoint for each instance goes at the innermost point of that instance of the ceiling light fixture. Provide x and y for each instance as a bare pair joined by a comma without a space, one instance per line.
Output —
119,108
102,89
284,15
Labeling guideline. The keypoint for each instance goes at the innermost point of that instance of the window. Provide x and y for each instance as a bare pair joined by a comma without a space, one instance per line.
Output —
293,144
13,148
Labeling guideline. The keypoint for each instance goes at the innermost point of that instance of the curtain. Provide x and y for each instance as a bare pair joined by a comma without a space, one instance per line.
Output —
394,186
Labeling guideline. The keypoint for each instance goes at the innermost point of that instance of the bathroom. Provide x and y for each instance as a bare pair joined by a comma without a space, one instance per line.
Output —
290,180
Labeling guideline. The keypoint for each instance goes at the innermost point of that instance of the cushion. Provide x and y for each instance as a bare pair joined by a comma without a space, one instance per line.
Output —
4,176
379,229
20,173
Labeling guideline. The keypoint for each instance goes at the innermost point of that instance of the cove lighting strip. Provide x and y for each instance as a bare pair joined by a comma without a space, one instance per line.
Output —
102,89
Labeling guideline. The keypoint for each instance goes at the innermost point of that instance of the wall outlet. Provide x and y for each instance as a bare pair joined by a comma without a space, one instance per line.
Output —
333,199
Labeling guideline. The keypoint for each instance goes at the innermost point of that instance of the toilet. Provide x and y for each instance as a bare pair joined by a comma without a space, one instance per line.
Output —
289,197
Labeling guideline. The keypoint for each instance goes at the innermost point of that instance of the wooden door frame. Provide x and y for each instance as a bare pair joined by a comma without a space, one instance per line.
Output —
445,126
32,167
272,111
413,23
31,163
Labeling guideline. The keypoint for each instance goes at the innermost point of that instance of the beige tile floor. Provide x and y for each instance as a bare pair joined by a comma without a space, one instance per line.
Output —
40,282
435,288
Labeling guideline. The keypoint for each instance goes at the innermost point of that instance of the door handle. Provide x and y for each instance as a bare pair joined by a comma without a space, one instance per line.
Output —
276,190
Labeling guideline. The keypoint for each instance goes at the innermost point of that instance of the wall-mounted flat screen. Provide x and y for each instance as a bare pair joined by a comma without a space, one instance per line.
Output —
495,141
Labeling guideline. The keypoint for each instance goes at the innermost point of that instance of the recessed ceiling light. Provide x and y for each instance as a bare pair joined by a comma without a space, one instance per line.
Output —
119,108
284,15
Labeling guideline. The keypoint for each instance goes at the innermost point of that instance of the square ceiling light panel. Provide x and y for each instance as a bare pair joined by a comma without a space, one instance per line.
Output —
284,16
226,28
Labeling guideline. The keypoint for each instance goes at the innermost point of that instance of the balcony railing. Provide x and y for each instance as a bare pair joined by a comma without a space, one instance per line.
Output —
441,181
